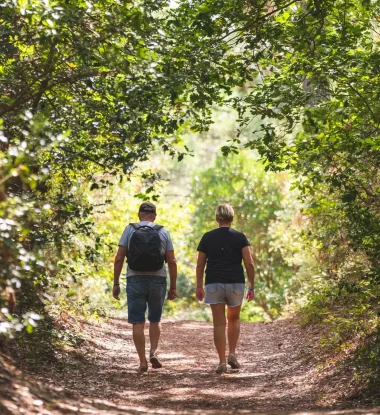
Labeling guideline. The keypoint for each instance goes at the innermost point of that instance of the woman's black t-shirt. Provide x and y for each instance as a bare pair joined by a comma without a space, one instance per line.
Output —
223,249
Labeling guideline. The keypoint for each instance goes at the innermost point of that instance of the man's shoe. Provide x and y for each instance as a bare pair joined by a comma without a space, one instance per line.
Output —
156,364
222,368
232,361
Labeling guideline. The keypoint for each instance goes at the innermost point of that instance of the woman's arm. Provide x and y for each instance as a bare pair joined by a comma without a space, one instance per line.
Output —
201,263
248,263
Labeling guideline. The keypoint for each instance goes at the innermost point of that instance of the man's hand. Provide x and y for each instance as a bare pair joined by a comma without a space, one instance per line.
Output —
250,295
200,293
116,292
172,294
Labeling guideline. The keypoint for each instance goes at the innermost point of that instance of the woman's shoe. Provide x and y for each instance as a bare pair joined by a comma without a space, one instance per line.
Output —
142,369
222,368
232,361
156,364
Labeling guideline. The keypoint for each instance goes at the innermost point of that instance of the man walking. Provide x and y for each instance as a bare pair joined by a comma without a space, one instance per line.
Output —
146,247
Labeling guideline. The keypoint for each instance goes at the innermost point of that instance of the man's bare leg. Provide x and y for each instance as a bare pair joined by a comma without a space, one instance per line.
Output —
139,341
154,336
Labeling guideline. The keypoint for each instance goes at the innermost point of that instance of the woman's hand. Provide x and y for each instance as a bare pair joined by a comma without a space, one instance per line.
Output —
250,295
200,293
201,263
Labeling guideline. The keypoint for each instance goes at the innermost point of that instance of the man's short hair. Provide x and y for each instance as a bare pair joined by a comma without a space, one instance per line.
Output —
224,213
147,207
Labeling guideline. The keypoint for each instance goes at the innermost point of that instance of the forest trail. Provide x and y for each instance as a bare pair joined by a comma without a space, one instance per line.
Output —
280,373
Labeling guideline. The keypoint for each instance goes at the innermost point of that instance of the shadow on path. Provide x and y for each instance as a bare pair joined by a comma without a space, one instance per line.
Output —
279,375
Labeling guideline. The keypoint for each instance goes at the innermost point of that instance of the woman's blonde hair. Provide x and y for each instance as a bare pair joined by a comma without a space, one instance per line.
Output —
224,213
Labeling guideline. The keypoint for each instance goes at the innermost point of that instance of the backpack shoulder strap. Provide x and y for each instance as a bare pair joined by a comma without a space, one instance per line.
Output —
135,226
157,227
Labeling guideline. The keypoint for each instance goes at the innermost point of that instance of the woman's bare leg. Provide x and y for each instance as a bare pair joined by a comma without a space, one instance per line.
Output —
233,317
219,319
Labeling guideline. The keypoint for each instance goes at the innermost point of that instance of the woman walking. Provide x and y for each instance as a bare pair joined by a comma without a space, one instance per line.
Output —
223,250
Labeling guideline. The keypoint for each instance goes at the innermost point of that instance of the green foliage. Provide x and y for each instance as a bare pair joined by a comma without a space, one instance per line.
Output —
368,362
90,90
310,72
259,199
82,281
49,342
79,97
345,303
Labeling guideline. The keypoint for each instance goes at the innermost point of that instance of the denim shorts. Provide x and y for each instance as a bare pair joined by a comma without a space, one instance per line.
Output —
142,292
230,294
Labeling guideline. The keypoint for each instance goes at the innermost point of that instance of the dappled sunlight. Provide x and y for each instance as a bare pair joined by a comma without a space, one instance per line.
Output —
172,355
241,376
188,376
194,326
270,106
274,356
269,380
183,361
181,391
245,393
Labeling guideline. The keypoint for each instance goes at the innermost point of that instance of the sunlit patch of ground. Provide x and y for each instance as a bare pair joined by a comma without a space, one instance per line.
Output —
280,373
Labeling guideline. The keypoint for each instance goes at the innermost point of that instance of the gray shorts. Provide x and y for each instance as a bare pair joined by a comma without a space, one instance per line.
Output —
230,294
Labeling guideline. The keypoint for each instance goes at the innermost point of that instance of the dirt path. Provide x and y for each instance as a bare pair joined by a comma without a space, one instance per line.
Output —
278,371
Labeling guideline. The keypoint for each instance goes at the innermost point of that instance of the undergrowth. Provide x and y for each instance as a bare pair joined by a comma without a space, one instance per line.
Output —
49,343
351,325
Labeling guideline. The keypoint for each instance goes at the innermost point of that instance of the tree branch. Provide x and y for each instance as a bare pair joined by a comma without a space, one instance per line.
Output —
67,79
45,82
249,25
85,157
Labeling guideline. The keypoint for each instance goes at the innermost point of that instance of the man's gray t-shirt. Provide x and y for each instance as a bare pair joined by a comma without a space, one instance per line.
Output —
166,245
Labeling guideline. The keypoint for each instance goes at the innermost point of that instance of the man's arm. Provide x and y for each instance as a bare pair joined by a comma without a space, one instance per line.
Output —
117,268
172,267
248,263
201,263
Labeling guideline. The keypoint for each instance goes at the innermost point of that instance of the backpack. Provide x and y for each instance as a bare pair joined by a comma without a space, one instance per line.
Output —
144,251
